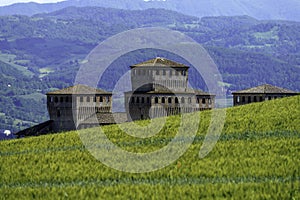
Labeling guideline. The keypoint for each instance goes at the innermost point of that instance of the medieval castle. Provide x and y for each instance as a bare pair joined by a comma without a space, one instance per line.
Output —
159,88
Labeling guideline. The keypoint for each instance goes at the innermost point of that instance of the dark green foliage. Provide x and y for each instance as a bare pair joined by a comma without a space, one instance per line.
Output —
248,52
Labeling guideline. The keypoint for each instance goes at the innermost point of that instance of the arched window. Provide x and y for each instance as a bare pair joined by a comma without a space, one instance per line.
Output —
101,99
55,99
203,101
88,99
81,99
190,100
182,100
169,100
132,99
148,100
243,99
176,100
156,99
61,99
255,99
67,99
163,100
137,99
249,99
143,100
58,113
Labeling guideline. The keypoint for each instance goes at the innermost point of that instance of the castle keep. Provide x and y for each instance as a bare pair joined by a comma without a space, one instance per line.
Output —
160,88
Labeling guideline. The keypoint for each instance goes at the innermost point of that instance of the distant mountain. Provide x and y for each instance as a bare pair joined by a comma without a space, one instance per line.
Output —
260,9
44,51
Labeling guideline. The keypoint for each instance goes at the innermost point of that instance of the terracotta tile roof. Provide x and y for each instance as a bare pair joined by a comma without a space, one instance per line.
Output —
266,89
159,62
78,89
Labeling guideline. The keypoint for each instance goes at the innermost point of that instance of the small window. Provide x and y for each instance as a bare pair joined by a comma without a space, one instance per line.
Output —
255,99
169,100
101,99
249,99
163,100
176,100
143,100
203,101
156,99
58,113
243,99
132,99
138,100
182,100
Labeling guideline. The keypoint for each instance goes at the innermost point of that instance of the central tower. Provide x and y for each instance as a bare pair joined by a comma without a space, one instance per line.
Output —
160,88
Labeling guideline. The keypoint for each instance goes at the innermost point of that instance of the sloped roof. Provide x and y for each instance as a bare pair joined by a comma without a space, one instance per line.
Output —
265,89
166,91
200,92
106,118
159,62
78,89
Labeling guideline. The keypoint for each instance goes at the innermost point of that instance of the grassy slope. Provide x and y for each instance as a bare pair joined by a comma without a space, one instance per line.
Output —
256,157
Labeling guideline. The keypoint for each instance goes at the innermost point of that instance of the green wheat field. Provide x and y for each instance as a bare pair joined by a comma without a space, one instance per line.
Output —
256,157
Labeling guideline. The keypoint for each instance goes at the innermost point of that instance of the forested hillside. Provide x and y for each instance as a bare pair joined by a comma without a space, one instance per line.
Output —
47,49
